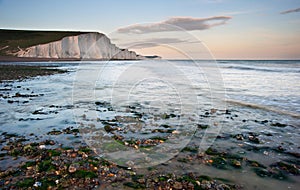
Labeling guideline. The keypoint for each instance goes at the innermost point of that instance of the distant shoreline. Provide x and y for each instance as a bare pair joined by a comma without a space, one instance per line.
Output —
33,59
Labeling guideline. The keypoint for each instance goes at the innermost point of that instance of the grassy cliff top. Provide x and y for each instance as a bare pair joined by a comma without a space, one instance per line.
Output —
10,40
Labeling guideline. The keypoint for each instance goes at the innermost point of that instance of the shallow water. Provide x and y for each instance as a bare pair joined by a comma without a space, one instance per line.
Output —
263,97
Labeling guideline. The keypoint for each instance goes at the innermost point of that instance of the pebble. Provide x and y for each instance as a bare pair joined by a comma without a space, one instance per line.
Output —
190,186
237,163
205,185
177,185
73,155
6,148
223,187
37,184
73,168
141,180
239,137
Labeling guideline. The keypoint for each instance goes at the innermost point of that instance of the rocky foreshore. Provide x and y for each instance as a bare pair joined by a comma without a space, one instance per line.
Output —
19,72
41,160
47,165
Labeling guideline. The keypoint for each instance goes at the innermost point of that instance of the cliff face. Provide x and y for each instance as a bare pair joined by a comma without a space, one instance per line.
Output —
83,46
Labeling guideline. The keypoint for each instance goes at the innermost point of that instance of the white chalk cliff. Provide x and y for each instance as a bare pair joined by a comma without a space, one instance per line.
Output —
84,46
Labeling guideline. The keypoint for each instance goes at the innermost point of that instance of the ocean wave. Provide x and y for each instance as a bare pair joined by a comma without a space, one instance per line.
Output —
279,69
264,107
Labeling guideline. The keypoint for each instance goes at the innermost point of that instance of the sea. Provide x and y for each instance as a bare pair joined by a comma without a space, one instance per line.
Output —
259,98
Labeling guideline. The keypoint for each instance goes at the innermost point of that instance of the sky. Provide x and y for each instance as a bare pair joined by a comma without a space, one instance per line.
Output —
224,29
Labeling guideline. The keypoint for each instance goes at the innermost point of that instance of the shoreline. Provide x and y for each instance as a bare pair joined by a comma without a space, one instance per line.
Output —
4,59
33,59
20,72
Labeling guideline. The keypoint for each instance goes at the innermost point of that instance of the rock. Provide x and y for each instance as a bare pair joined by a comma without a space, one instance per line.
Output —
38,112
205,185
290,168
73,167
213,110
141,180
202,126
223,187
49,142
6,148
239,137
278,125
108,128
177,185
73,155
10,101
27,148
37,184
253,139
236,163
54,132
190,185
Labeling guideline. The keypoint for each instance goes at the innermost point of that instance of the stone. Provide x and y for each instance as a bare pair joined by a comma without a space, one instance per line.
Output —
177,185
223,187
73,168
236,163
37,184
141,180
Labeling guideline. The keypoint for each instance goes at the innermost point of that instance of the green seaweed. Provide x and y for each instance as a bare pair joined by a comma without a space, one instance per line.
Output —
85,149
54,153
134,185
290,168
184,160
219,162
137,177
28,164
211,151
204,177
85,174
15,153
27,182
254,163
45,166
190,149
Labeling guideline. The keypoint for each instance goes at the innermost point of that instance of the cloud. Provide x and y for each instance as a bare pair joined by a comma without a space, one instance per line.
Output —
290,11
153,42
172,24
